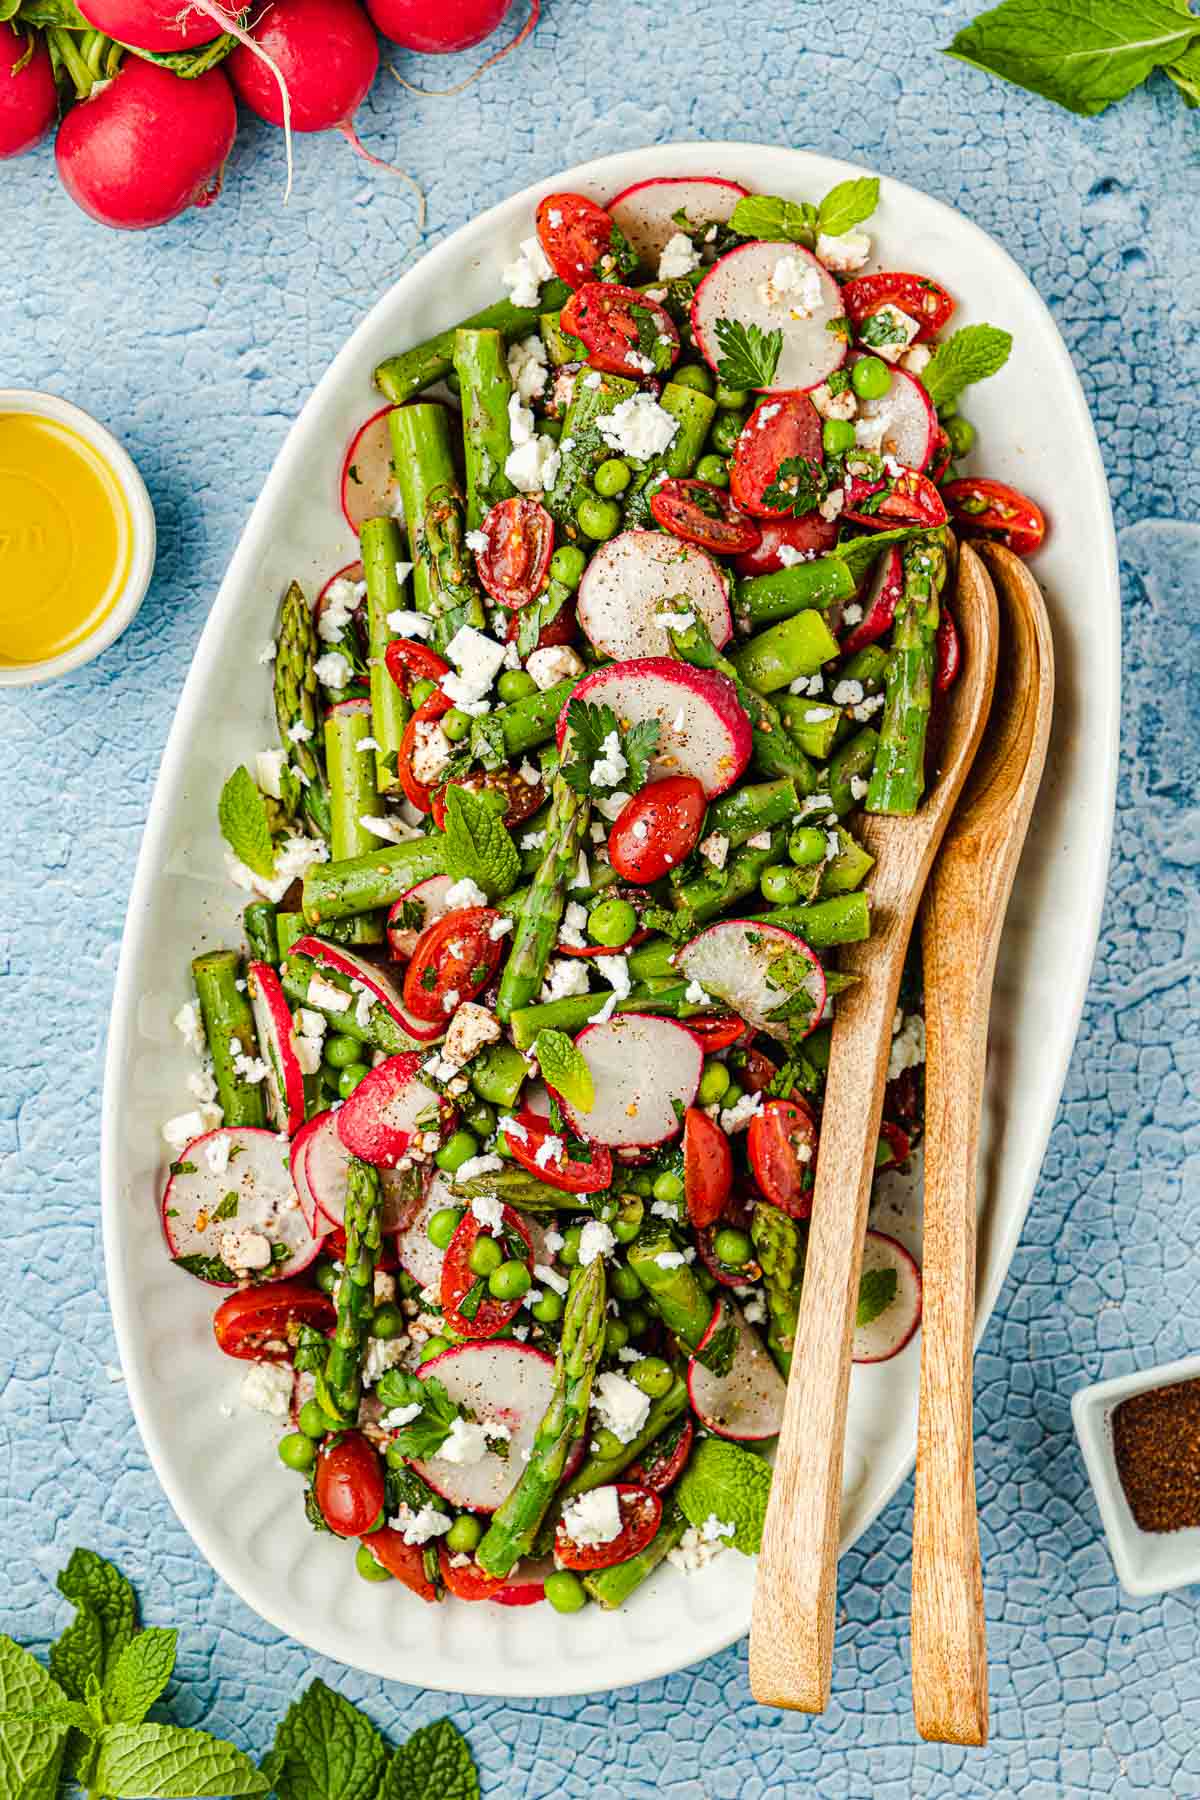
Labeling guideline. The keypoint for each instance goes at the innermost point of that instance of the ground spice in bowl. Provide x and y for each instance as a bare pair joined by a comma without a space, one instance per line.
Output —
1156,1444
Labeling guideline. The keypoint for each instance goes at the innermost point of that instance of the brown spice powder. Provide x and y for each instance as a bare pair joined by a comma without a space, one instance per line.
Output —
1156,1441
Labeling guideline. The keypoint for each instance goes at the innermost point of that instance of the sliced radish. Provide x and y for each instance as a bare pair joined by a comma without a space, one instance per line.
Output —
353,573
276,1031
421,1259
298,1156
326,1167
430,896
368,484
639,574
250,1188
747,1402
704,729
646,1071
738,288
646,211
910,424
377,1122
887,1335
879,602
376,981
733,961
501,1382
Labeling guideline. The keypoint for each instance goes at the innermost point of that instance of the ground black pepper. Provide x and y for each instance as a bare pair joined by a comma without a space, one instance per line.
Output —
1156,1441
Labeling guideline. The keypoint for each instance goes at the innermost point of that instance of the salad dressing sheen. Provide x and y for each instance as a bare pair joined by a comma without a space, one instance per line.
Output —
66,538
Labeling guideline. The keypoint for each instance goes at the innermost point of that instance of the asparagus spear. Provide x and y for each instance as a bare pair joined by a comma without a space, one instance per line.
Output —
600,1467
352,797
444,584
782,653
561,347
753,808
382,547
381,1030
296,654
515,1524
761,599
339,1384
485,390
528,722
536,929
228,1019
261,932
517,1188
775,753
780,1243
339,890
674,1292
898,778
851,762
842,919
572,1014
713,892
399,377
611,1587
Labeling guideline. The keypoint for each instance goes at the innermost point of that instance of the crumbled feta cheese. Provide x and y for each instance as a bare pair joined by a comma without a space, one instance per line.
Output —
610,806
529,775
675,621
252,1069
714,1529
670,1259
185,1126
523,278
499,928
216,1152
341,600
739,1115
244,1251
847,693
593,1518
557,662
917,359
908,1046
470,1029
401,1416
638,427
190,1026
329,998
754,1312
834,406
266,654
513,1128
267,1388
419,1527
795,283
596,1239
869,432
695,995
852,614
300,733
270,764
619,1405
476,541
431,751
550,1277
760,841
610,765
392,831
615,970
533,840
487,1209
549,1151
478,659
566,975
333,669
679,257
844,253
833,503
859,787
692,1552
715,848
466,1444
898,322
593,380
450,1000
571,932
382,1354
409,624
532,466
464,892
527,367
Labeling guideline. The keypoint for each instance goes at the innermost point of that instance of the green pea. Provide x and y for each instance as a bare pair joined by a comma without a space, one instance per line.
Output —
510,1281
726,430
612,922
567,565
456,724
806,846
838,435
870,378
961,434
368,1568
387,1322
551,428
616,1336
313,1422
341,1051
637,1319
694,376
598,519
612,477
782,885
732,399
464,1535
296,1452
732,1094
325,1275
549,1309
350,1077
565,1592
947,409
480,1118
668,1186
459,1148
652,1375
420,692
714,470
432,1347
568,1253
732,1247
443,1225
628,1221
515,684
642,1182
713,1083
623,1282
486,1256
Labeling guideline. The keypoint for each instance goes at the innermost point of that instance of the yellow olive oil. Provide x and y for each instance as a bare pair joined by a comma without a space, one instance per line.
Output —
66,538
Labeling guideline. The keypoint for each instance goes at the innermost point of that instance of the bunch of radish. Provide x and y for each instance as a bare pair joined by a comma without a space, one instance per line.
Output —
144,92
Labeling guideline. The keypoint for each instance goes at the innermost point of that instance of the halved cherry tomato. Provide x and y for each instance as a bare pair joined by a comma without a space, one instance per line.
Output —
407,661
468,1582
948,652
348,1485
522,797
998,511
782,1145
455,955
569,1174
893,1147
253,1323
707,1167
334,1246
577,236
657,829
809,535
663,1461
515,566
405,1561
562,628
417,792
715,1031
780,428
755,1070
459,1279
625,332
916,295
641,1515
700,513
908,499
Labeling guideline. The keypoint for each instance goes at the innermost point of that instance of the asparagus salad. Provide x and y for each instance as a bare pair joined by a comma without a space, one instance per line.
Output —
509,1107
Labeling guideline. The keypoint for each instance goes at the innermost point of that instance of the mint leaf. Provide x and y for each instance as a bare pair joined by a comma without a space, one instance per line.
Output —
92,1644
564,1068
477,845
325,1749
165,1762
140,1676
1185,73
970,354
34,1738
749,357
847,205
771,220
1082,54
242,815
435,1764
876,1291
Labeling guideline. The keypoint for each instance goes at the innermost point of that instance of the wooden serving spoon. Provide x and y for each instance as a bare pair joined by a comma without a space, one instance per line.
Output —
791,1634
965,903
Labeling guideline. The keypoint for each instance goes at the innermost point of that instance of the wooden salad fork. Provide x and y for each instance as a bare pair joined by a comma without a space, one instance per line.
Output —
963,913
791,1634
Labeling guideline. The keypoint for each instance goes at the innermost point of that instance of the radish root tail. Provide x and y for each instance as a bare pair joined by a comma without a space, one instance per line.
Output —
227,19
497,56
360,149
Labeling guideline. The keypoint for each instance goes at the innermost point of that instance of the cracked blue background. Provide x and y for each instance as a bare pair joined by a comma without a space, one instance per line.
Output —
198,343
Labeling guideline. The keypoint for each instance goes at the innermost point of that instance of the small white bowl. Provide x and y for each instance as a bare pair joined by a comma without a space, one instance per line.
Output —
141,513
1147,1562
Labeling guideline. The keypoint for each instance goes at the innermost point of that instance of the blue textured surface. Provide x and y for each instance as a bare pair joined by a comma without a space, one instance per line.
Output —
198,344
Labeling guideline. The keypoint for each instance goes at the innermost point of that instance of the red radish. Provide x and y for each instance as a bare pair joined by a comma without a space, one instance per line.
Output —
155,24
736,961
743,287
377,1122
442,29
910,425
785,541
318,1222
418,1257
284,1080
639,575
428,901
646,211
892,1329
949,652
523,1586
375,981
251,1165
326,1167
352,573
879,605
28,95
747,1403
703,727
499,1382
368,484
147,145
645,1071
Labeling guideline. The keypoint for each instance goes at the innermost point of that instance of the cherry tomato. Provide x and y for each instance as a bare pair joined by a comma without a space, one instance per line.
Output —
715,1031
908,499
348,1485
894,1147
641,1515
707,1167
884,600
780,1135
405,1561
998,511
702,514
916,295
781,427
253,1323
416,792
459,1279
408,660
570,1174
562,628
663,1461
522,798
810,533
455,955
334,1246
948,650
577,236
657,829
622,329
515,566
755,1070
468,1582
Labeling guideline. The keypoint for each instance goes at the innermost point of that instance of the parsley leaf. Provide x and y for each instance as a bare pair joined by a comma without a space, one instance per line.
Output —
564,1068
477,845
800,485
876,1291
242,814
749,356
591,729
770,220
1082,57
424,1435
970,354
847,205
435,1764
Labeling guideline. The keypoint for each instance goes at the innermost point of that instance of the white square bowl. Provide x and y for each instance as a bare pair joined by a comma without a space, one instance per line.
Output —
1147,1562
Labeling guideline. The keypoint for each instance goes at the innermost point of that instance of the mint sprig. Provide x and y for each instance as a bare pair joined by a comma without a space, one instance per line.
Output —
478,846
1083,54
435,1764
847,205
242,815
768,219
565,1069
968,355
